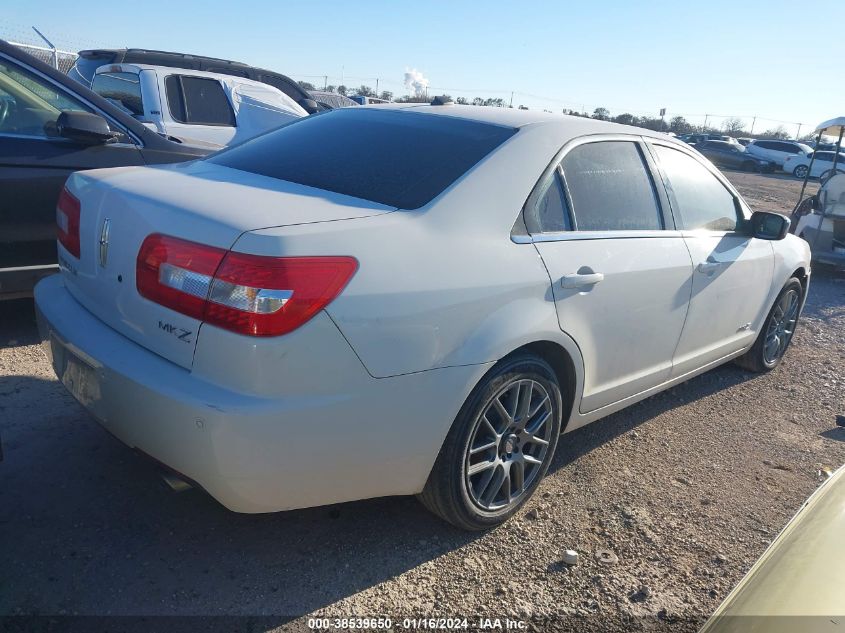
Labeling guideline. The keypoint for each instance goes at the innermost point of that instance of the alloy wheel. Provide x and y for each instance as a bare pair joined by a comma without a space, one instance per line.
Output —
781,327
508,445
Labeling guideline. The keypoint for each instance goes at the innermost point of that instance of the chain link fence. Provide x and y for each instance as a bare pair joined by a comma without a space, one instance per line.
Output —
58,59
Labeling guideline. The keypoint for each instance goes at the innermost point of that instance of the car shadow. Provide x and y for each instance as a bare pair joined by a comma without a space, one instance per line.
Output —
587,438
17,323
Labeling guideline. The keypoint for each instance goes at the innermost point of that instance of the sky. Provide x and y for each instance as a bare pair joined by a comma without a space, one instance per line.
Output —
718,58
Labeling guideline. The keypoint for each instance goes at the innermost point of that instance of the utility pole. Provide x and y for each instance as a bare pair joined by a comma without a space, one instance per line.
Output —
705,120
377,86
753,121
510,105
325,81
798,135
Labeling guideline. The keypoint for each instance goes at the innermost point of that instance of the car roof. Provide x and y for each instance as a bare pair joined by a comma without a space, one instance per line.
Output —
516,118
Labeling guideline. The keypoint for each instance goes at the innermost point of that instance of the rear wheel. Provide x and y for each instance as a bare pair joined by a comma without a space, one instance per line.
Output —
800,171
777,331
499,447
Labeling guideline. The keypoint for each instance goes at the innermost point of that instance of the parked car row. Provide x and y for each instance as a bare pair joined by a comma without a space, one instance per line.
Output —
749,154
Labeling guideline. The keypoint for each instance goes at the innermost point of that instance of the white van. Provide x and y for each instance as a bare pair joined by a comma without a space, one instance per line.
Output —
195,106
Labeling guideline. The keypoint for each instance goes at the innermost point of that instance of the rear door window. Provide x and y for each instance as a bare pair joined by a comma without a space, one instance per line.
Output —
549,213
122,89
702,202
198,101
610,188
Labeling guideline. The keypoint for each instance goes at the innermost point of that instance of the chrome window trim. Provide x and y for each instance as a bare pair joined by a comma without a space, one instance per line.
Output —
663,204
137,141
568,236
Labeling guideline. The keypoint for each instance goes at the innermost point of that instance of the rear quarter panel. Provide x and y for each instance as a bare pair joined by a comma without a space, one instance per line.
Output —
444,285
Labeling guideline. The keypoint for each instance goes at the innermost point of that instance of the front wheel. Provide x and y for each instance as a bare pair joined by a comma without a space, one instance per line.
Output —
800,171
750,165
777,331
499,447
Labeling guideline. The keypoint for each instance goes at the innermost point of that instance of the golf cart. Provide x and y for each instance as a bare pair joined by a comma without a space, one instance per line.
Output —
820,218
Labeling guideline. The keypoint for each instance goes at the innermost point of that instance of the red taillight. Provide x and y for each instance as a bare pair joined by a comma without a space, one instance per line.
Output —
248,294
67,220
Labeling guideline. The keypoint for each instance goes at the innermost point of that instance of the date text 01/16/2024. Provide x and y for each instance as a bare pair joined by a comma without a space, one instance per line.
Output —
431,624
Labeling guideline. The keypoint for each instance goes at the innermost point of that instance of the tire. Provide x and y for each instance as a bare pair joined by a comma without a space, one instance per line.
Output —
762,357
800,171
463,498
751,166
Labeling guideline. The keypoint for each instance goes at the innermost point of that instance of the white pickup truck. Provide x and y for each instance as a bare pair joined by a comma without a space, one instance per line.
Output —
193,106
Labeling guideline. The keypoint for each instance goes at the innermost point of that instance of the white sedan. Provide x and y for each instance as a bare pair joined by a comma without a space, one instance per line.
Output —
798,166
285,327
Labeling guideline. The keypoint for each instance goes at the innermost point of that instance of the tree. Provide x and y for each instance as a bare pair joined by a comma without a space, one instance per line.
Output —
342,90
386,95
603,114
624,119
478,101
306,85
778,132
733,125
679,125
365,91
331,88
462,101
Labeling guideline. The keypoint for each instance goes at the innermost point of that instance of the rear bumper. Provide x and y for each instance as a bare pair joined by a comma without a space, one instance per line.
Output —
356,437
18,282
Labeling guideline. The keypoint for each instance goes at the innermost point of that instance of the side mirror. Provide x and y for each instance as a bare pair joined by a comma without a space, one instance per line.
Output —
769,226
84,127
309,105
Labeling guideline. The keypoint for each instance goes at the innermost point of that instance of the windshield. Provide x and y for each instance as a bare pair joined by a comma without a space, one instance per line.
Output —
122,89
402,160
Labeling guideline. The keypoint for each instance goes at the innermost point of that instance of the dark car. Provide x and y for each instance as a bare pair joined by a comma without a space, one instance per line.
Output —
90,60
51,126
734,156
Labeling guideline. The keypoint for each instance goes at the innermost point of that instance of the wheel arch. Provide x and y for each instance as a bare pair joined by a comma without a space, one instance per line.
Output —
562,364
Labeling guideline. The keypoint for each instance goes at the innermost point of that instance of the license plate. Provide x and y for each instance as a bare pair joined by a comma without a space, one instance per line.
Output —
76,375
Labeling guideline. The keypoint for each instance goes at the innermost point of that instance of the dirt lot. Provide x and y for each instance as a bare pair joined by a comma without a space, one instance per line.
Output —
685,489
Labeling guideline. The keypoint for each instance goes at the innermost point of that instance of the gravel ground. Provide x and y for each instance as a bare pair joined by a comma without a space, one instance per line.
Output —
668,504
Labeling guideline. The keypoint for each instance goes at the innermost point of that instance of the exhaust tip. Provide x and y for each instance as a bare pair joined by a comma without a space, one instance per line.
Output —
175,483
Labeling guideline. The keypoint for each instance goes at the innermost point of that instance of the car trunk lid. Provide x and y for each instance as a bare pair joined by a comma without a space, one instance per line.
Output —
200,202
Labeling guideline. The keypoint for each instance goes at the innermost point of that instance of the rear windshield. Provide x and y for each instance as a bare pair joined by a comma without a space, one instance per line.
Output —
402,160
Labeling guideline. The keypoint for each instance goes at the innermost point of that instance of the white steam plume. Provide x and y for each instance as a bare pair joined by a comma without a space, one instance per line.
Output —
415,82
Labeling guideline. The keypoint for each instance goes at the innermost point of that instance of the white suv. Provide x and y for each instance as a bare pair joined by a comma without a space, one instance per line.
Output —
195,106
777,151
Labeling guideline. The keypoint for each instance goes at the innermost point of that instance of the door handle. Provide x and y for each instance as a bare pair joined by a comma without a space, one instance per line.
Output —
709,266
578,280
